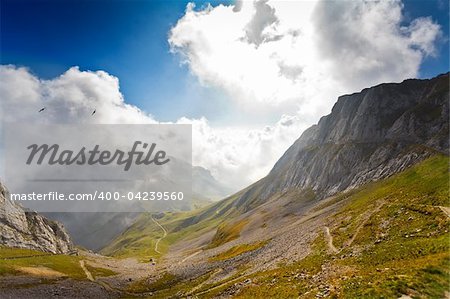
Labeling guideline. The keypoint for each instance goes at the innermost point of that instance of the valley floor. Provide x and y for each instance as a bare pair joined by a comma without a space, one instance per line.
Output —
33,274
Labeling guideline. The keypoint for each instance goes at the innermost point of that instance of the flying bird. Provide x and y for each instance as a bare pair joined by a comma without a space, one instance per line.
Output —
42,109
94,112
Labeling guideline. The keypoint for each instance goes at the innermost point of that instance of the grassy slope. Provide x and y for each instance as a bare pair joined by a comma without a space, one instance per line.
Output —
227,232
12,259
399,245
67,265
402,248
236,251
140,238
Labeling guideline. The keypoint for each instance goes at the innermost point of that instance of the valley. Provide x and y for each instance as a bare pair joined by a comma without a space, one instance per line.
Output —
389,237
357,207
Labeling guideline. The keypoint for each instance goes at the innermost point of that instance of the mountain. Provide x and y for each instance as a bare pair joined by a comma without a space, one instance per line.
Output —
24,229
93,230
205,185
356,207
368,136
385,239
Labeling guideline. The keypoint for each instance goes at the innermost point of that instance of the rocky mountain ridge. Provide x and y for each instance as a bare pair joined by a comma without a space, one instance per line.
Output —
23,229
368,136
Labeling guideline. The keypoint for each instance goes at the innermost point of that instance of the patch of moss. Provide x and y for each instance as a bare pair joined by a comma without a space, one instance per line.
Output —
165,281
100,272
227,232
237,250
66,264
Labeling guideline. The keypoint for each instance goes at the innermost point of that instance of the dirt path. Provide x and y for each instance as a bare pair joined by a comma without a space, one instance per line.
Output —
226,283
197,287
127,272
329,238
190,256
164,235
86,271
104,284
361,225
366,218
446,210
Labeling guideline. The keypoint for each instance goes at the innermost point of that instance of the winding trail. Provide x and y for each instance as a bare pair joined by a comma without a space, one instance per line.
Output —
446,210
329,238
199,286
190,256
348,243
164,235
86,271
365,220
106,285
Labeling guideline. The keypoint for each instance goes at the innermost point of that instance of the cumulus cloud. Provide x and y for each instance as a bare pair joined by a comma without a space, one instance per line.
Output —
239,156
264,17
236,156
366,43
279,53
69,98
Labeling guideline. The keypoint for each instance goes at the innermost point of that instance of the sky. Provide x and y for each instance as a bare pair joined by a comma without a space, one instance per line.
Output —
125,38
250,76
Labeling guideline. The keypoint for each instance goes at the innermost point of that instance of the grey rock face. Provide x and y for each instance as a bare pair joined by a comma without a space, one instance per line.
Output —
368,136
22,229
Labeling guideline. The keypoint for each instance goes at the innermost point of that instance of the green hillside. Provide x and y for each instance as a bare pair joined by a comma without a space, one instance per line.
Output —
387,239
391,239
14,260
139,239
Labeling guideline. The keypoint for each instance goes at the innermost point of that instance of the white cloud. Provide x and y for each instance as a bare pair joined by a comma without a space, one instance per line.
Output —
366,43
69,98
276,55
236,156
423,33
239,156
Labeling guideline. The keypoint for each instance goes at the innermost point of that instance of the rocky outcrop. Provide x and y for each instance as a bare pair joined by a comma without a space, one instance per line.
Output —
23,229
368,136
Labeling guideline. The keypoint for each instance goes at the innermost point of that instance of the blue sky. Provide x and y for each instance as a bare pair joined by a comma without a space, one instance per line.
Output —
128,39
439,11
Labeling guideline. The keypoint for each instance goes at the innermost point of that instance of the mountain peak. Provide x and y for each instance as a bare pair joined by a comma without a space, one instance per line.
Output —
368,136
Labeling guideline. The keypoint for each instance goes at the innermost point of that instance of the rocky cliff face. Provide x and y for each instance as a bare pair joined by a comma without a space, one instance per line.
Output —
22,229
368,136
